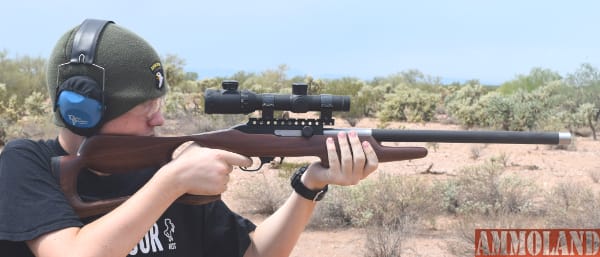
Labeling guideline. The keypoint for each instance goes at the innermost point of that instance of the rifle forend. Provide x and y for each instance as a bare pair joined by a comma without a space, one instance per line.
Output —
265,137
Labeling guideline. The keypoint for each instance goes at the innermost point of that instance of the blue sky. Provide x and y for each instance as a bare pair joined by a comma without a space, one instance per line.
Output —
492,41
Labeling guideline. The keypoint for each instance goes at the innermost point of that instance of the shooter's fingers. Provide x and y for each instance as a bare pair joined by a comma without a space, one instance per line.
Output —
372,161
230,158
358,156
346,155
233,158
332,155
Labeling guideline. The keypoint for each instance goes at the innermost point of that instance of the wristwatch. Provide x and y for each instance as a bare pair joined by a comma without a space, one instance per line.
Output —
302,190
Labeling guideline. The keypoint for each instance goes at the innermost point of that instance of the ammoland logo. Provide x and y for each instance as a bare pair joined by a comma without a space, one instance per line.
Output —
537,242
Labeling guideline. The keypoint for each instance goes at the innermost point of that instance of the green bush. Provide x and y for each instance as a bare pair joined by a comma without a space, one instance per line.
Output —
462,105
409,104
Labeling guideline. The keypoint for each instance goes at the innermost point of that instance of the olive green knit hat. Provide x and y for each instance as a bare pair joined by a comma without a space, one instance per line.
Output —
133,71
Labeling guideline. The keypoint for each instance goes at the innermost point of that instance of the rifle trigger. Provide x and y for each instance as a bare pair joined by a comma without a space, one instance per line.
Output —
250,170
263,161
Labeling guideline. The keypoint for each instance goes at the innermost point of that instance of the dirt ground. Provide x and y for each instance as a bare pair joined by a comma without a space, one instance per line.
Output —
538,163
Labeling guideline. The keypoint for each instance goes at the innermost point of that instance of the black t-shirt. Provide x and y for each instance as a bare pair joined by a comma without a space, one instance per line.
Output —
32,204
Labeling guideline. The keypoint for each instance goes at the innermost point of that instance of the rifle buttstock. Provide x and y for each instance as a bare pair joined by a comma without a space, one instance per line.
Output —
70,167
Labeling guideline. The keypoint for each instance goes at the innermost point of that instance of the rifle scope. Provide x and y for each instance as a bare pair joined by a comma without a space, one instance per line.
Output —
231,101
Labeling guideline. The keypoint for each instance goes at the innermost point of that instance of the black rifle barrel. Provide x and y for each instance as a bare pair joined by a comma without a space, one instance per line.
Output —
460,136
473,136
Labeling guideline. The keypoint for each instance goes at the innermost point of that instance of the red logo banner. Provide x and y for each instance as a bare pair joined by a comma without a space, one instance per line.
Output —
537,242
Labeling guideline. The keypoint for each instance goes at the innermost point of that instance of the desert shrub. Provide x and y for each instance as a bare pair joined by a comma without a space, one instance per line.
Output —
519,111
594,175
389,207
462,105
409,104
32,127
384,201
572,205
178,105
527,111
541,108
174,105
10,110
28,119
496,110
485,189
390,201
501,159
264,194
384,242
36,104
475,151
587,115
448,190
332,211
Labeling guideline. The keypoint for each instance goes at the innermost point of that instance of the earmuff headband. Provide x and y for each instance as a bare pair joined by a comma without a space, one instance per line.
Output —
86,40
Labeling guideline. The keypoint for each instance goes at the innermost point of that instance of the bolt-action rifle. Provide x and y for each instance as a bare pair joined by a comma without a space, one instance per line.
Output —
266,138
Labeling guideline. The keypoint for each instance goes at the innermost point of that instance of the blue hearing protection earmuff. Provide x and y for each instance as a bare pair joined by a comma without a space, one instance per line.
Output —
78,104
79,98
82,112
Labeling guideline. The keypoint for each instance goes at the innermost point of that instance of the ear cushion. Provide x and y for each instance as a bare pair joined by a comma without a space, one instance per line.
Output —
79,102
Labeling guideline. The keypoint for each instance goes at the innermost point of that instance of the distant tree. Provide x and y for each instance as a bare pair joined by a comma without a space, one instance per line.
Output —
587,114
174,70
586,76
369,100
585,83
413,78
22,75
269,81
191,76
213,83
537,77
241,76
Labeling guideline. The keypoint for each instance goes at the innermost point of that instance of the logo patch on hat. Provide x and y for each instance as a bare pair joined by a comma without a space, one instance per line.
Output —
159,75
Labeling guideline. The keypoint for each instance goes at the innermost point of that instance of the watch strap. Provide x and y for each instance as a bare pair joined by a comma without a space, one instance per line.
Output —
302,190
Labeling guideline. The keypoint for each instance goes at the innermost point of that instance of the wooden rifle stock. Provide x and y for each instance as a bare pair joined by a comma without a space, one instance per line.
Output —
119,154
